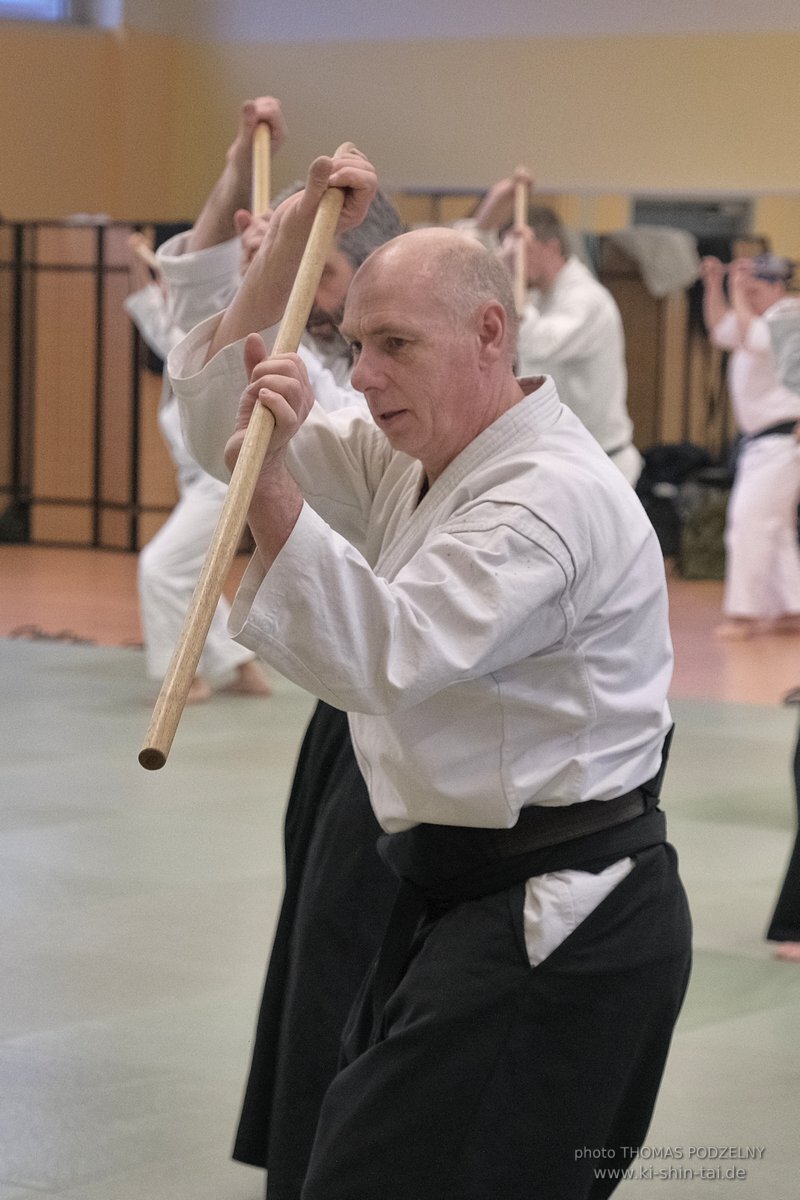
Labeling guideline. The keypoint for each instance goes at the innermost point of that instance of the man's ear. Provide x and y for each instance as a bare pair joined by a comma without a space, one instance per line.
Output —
492,330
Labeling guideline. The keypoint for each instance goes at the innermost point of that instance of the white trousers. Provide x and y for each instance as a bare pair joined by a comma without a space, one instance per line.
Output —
762,555
169,567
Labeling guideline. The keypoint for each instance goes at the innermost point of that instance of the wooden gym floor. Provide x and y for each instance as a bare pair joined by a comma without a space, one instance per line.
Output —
91,595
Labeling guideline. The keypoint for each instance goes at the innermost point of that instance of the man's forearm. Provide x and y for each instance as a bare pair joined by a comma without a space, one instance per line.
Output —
215,223
274,510
496,208
715,305
261,299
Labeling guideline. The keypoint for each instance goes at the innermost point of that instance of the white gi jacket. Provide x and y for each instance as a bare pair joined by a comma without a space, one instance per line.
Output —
758,396
199,282
573,331
762,560
504,642
783,324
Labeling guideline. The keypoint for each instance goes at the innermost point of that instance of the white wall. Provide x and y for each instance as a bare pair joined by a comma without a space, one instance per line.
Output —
360,20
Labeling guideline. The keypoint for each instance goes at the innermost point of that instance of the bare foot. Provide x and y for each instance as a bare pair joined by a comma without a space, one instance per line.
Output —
199,691
788,952
250,681
736,629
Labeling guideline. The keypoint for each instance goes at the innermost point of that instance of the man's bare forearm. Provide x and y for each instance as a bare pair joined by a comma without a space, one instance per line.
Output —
261,299
715,304
274,510
215,223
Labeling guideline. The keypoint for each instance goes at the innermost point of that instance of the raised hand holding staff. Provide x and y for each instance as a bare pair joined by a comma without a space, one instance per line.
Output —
337,195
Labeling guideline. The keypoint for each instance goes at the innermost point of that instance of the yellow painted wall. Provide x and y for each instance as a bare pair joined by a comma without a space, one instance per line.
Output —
87,123
136,125
779,218
693,114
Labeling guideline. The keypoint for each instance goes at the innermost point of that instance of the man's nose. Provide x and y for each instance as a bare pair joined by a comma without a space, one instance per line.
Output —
365,373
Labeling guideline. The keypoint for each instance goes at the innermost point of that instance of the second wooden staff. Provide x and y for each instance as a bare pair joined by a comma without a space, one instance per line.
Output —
262,163
183,665
521,187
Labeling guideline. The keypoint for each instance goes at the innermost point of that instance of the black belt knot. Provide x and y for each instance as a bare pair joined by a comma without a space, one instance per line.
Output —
780,427
440,866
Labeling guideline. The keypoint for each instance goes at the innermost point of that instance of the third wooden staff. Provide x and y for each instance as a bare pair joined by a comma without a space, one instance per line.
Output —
521,189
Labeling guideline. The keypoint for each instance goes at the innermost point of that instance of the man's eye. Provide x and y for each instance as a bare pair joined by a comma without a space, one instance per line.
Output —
355,350
395,343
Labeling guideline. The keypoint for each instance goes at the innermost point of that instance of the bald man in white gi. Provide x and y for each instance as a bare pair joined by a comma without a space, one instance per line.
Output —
571,327
463,570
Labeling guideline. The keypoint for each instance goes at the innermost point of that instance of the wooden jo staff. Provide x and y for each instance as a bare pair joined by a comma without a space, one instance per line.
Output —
261,186
521,191
183,665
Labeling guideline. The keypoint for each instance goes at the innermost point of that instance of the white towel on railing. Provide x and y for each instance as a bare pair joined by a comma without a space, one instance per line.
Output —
667,257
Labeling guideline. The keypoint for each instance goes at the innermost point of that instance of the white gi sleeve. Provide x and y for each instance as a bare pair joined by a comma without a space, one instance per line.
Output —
148,310
208,392
485,591
726,333
199,282
569,333
758,340
783,322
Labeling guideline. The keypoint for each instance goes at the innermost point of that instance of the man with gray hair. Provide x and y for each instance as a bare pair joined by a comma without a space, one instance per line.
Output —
463,571
571,327
337,890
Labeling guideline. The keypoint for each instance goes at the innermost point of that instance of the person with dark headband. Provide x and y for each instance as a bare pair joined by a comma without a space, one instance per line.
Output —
762,556
464,572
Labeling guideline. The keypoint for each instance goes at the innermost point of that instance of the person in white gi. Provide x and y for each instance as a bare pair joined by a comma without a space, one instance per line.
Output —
170,564
762,556
337,890
466,574
571,327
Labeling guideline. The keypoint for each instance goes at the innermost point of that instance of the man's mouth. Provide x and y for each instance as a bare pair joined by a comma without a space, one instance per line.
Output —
389,416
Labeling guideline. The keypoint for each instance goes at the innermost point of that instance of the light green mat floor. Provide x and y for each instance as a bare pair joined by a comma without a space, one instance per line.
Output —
137,913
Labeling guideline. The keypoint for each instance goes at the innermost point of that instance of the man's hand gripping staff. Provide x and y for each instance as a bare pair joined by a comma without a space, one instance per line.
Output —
337,195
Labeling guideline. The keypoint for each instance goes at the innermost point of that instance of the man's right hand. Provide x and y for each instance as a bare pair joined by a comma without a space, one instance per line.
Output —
266,286
279,383
252,230
233,190
497,207
348,169
264,109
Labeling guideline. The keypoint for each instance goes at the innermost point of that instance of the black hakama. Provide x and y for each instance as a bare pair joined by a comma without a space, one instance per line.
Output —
338,895
483,1078
784,925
